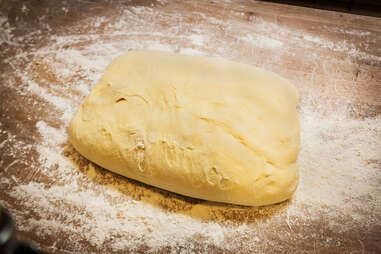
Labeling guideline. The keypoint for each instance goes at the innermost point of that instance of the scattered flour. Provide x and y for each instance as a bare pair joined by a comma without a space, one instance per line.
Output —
58,102
342,46
192,52
6,35
359,33
262,41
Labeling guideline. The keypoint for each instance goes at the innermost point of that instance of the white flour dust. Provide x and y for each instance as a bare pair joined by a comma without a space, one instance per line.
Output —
87,204
262,41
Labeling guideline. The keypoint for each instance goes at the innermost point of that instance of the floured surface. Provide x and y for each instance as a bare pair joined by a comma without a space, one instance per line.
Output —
66,205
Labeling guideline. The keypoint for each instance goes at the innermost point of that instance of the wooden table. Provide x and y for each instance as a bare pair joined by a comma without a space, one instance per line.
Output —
53,52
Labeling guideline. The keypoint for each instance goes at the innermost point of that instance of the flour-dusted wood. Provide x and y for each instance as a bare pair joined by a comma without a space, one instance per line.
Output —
202,127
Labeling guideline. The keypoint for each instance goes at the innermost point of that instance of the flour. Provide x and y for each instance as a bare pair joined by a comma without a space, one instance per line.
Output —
6,35
60,103
342,46
88,206
358,33
197,39
190,51
335,156
262,41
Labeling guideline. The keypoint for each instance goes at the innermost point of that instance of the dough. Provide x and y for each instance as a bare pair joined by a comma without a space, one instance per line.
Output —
202,127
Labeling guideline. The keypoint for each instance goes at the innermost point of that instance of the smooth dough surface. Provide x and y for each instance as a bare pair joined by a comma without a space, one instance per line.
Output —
198,126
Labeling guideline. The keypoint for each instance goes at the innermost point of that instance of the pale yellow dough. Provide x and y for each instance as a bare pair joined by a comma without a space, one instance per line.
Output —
202,127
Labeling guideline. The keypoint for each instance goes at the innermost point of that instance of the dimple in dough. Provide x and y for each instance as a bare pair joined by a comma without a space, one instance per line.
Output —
198,126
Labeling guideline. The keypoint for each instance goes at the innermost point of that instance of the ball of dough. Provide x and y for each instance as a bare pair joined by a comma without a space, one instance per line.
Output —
202,127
